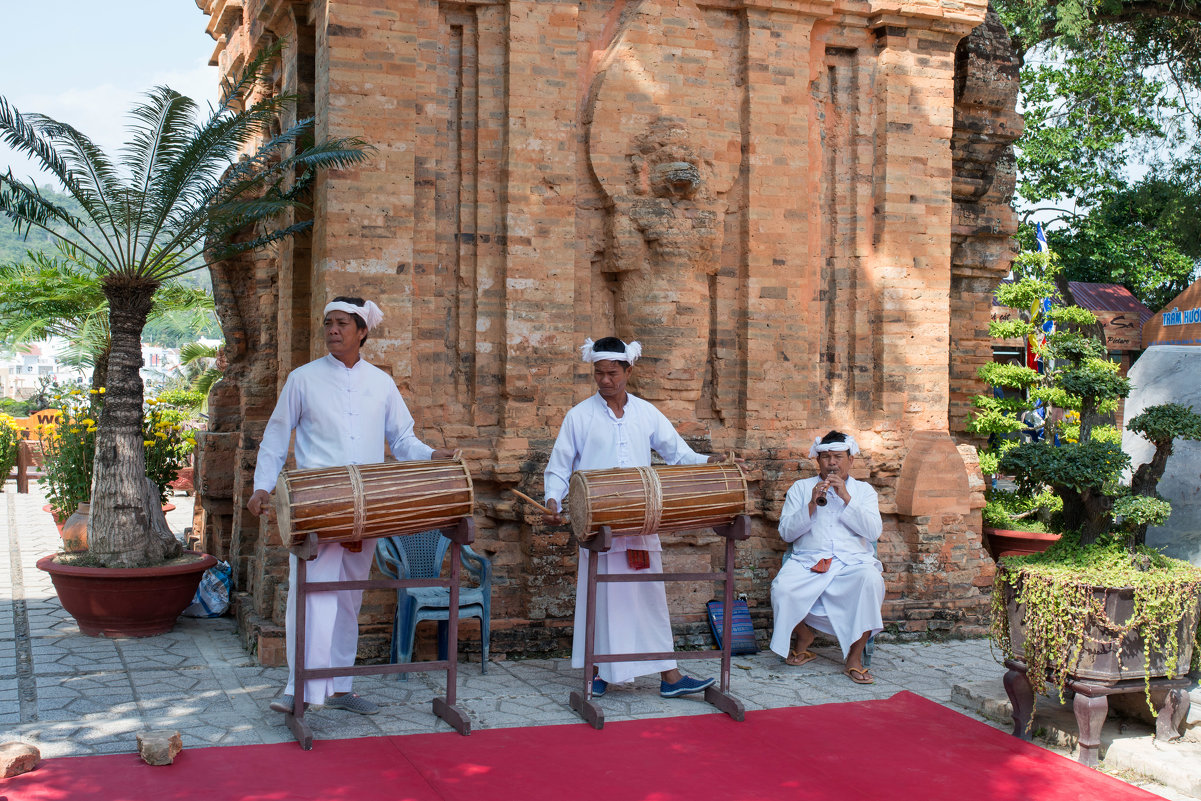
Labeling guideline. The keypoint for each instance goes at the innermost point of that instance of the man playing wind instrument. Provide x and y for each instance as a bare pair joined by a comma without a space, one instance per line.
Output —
831,580
343,410
615,429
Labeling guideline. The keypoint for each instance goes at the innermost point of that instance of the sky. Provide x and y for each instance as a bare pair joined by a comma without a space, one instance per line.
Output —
87,63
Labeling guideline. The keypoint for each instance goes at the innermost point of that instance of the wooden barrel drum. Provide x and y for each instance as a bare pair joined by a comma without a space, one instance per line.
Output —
358,502
643,500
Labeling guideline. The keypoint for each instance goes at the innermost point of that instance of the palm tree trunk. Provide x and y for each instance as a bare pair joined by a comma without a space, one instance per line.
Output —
121,532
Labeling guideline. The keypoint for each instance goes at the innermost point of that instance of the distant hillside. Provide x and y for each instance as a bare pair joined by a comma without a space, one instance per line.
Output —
13,246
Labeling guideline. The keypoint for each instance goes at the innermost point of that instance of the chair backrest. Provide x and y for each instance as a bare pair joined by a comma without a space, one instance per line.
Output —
422,553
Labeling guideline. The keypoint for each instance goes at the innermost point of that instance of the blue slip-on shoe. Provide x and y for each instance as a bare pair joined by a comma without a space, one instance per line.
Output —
685,686
599,686
352,702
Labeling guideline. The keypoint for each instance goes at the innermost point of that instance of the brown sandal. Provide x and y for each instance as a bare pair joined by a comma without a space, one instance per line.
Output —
859,675
798,658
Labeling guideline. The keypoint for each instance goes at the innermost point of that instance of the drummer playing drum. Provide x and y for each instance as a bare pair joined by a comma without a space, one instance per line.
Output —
615,429
343,410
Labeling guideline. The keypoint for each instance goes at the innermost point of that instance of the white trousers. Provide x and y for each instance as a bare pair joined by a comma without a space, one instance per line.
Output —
844,602
630,618
331,637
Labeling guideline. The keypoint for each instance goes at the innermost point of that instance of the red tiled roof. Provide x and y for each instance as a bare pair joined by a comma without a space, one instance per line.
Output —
1108,297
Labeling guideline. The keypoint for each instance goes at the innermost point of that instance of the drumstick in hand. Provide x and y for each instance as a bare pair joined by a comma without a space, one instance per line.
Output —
533,502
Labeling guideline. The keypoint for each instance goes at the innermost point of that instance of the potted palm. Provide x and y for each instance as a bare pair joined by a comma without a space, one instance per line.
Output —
176,196
1098,612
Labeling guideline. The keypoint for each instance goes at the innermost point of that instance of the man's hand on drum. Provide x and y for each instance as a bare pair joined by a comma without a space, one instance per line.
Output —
553,519
442,453
259,503
727,457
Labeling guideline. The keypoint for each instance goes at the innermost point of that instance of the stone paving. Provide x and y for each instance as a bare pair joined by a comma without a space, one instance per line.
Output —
73,695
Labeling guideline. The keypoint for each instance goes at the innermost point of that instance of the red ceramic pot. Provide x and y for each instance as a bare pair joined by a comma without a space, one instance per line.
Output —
1007,542
126,601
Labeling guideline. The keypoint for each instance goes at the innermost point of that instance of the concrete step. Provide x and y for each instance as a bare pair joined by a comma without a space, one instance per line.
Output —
1126,745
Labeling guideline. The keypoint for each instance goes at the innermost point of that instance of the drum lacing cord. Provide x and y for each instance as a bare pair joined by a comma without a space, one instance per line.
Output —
654,500
360,503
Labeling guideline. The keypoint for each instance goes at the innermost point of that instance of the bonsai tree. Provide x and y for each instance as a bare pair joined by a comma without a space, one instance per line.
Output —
1103,521
173,199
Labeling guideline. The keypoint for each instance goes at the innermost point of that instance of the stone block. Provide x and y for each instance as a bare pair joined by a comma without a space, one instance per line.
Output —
17,758
159,746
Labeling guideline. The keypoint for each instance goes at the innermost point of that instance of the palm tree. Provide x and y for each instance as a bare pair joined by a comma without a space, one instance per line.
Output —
60,296
173,199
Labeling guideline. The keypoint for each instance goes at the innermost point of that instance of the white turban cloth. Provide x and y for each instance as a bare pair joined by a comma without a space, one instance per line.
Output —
849,444
632,352
370,313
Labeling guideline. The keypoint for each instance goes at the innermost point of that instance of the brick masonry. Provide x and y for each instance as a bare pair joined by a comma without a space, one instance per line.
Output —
800,207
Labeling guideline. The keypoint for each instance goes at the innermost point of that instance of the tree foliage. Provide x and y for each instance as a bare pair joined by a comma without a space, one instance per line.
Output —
187,187
1110,90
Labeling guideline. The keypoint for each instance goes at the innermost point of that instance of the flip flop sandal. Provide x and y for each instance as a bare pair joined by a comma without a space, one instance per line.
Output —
859,675
798,658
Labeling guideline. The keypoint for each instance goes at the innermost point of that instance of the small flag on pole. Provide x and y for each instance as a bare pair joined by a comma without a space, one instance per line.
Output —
1040,238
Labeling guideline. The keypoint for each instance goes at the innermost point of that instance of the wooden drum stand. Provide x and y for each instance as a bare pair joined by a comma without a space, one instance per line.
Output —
581,702
462,534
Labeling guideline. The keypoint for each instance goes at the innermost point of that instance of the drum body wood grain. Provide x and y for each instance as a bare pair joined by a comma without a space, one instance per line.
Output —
643,500
358,502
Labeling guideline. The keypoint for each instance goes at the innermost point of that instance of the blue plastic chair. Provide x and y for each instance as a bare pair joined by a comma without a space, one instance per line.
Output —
870,646
421,556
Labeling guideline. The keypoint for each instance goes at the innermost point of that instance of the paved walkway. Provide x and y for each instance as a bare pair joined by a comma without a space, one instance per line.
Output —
71,695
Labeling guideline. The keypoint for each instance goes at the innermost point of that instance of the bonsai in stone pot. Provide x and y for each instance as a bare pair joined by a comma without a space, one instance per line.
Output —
1099,612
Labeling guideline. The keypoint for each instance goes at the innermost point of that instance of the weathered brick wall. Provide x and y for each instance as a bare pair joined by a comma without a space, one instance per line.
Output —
798,207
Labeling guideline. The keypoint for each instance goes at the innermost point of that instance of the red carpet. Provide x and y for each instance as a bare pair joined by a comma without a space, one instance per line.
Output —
904,747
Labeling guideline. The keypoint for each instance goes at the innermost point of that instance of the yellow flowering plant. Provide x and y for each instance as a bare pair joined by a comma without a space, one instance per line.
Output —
168,440
69,447
10,444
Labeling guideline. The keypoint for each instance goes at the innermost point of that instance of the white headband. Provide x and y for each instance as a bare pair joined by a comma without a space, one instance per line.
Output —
370,313
849,445
632,352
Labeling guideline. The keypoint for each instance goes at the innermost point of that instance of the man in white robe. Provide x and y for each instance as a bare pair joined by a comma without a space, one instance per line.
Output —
615,429
343,410
831,580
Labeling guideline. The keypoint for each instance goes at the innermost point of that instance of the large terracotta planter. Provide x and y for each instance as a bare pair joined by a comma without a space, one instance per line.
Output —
126,602
1007,542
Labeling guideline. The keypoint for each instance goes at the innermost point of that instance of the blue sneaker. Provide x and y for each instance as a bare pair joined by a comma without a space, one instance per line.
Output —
685,686
599,686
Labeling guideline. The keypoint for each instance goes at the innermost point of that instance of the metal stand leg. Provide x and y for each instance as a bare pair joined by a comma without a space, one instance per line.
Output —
295,719
464,534
581,702
720,696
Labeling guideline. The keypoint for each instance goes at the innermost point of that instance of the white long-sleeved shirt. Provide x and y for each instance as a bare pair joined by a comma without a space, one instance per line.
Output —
837,530
342,415
592,437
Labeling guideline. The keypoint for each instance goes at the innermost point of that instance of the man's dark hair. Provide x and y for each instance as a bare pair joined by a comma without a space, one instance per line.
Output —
359,322
611,345
834,436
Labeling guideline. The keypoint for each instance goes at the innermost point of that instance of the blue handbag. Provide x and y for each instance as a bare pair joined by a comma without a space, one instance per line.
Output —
743,638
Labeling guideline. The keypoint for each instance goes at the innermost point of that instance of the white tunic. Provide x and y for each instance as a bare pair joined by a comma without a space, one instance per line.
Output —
845,601
630,617
342,415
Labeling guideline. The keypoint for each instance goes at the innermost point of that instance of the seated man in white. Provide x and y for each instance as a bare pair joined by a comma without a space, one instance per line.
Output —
831,580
